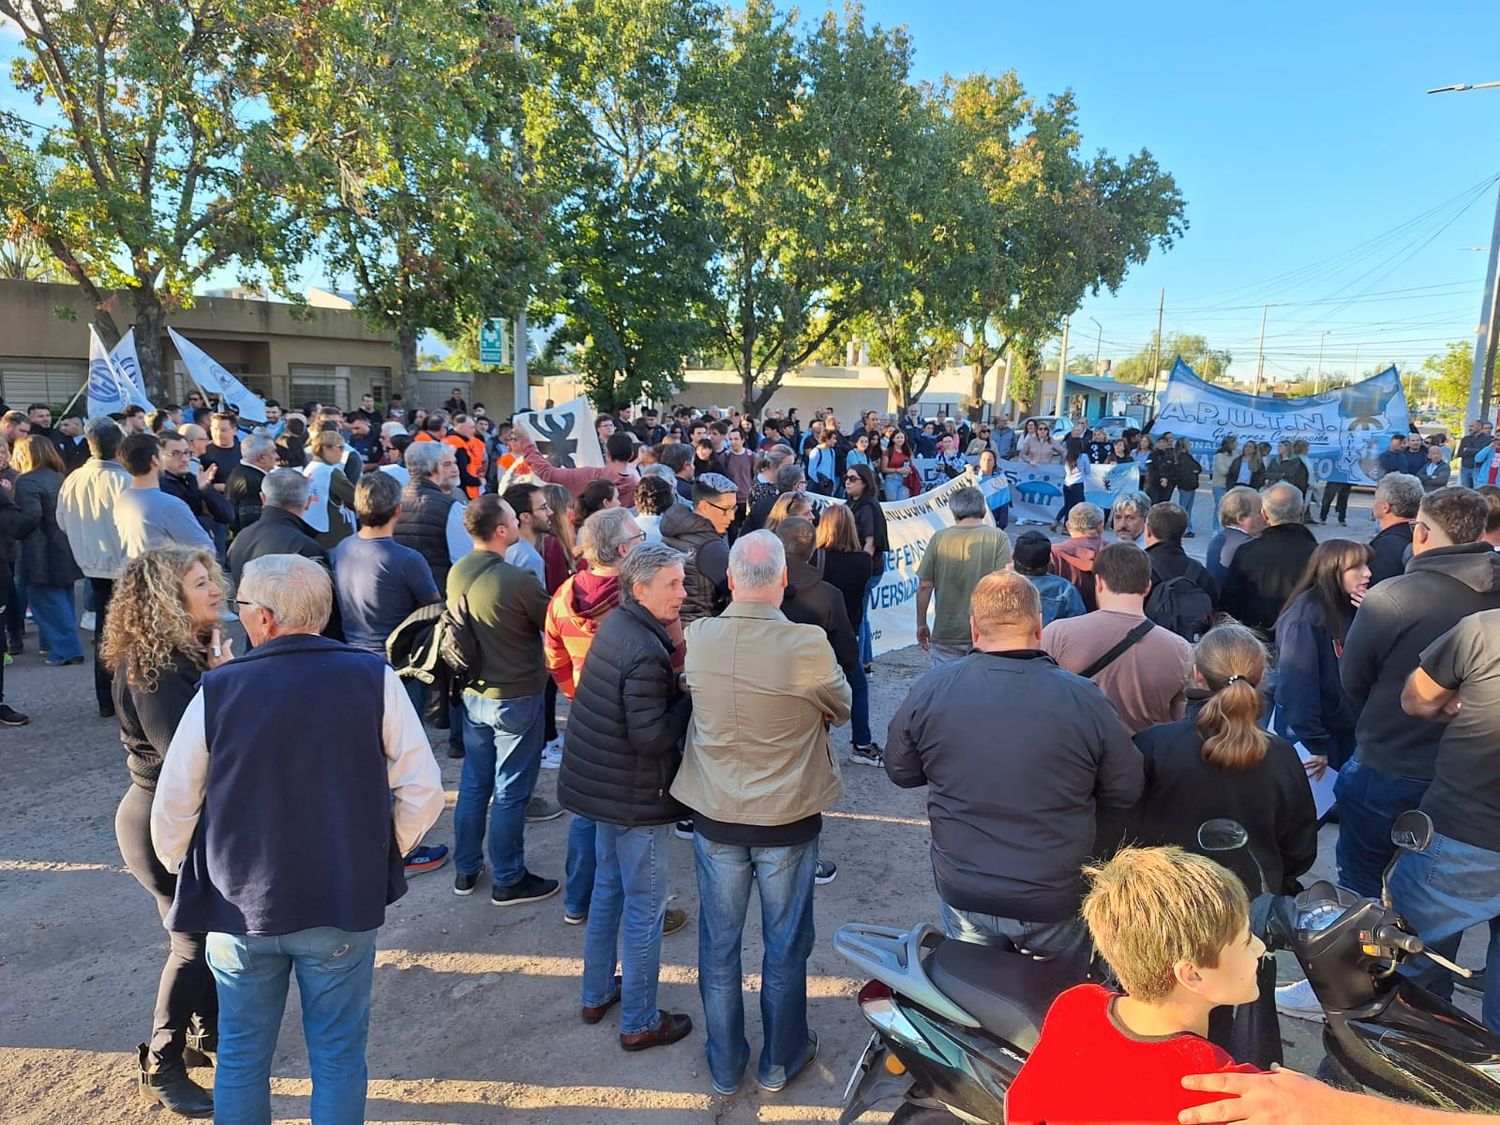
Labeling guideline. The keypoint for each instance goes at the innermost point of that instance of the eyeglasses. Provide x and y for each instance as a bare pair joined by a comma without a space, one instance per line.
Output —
240,605
852,476
721,507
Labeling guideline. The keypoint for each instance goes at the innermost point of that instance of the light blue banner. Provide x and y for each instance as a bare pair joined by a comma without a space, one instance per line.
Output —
1346,428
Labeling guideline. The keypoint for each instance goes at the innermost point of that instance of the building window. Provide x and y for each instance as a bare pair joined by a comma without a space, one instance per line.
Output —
53,381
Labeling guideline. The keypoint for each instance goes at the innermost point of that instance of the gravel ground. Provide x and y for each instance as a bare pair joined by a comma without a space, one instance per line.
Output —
475,1009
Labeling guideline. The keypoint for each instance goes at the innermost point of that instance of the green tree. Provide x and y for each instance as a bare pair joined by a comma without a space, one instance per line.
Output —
604,133
401,122
1450,374
806,153
1061,225
1210,364
163,167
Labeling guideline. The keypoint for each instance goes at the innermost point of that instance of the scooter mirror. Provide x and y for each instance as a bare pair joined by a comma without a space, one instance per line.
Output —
1413,831
1222,835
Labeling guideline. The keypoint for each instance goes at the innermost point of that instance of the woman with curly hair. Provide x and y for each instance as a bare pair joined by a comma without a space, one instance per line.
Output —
161,636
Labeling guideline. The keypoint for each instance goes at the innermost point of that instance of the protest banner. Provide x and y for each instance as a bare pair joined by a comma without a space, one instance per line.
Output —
1346,428
1036,490
216,380
565,435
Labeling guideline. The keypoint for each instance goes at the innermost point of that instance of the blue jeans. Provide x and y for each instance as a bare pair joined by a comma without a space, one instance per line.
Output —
334,969
56,624
1466,476
1369,803
1066,942
866,651
578,883
1218,491
630,900
503,755
1185,499
1441,893
859,707
785,878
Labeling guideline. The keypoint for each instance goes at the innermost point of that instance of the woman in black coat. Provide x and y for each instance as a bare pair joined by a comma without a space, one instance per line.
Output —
1220,762
869,525
160,637
620,755
45,570
1161,472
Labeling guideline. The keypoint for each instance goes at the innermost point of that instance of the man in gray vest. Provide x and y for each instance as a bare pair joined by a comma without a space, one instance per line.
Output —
285,825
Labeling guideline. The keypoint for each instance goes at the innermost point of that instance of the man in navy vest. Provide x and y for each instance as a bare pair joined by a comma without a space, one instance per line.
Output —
261,775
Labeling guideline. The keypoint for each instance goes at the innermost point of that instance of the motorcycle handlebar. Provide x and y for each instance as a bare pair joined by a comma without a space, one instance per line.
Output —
1397,938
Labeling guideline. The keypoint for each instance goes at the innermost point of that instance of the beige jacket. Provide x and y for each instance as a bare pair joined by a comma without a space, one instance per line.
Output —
757,749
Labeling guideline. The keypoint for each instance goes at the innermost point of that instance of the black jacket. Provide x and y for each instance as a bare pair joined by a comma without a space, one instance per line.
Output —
1161,465
1012,818
1189,472
1271,799
849,573
1263,573
423,526
1395,622
706,569
625,729
1232,477
1169,560
44,558
148,719
277,532
242,492
207,504
1389,550
1292,470
809,600
1310,705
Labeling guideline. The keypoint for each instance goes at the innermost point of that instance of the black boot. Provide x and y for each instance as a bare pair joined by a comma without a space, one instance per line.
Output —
201,1049
168,1084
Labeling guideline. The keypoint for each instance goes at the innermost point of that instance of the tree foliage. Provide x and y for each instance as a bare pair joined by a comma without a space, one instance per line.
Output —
1211,364
163,167
1062,225
604,133
807,160
402,118
1449,375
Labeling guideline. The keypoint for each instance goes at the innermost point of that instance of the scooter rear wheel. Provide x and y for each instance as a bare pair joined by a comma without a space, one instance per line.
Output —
909,1114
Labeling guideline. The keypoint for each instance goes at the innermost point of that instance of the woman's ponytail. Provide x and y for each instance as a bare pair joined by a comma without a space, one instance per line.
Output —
1232,662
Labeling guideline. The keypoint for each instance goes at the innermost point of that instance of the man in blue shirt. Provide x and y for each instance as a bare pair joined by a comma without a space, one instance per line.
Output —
145,516
378,582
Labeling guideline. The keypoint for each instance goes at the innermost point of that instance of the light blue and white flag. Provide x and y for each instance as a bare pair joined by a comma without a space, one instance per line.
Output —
216,380
109,391
129,364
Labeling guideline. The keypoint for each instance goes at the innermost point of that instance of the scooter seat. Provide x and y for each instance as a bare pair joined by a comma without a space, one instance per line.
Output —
1008,993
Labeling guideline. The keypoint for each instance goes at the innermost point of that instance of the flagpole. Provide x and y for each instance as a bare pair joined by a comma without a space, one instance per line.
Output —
74,400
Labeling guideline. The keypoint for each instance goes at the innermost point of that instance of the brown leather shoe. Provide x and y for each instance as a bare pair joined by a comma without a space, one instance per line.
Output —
594,1015
671,1027
673,920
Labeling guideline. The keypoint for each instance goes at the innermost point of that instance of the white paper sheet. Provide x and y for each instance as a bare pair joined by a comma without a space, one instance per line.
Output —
1322,788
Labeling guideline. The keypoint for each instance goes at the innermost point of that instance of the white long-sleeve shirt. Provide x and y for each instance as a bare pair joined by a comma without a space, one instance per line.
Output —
412,773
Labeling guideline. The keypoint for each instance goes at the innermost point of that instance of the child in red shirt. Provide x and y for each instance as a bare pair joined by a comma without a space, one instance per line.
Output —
1175,928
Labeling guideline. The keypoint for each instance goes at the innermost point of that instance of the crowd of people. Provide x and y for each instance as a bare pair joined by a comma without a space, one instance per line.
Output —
389,558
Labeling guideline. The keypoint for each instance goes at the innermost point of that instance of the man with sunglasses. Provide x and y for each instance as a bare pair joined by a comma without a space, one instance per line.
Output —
699,533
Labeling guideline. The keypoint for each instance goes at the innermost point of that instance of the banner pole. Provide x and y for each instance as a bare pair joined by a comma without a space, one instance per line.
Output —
74,400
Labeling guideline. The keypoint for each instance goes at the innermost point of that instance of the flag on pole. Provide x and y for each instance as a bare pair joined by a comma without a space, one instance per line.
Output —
129,364
109,391
216,380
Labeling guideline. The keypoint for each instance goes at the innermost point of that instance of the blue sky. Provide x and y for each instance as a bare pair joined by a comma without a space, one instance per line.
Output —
1318,173
1297,133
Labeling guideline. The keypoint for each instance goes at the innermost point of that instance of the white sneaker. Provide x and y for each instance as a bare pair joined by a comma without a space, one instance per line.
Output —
552,754
88,622
1298,1001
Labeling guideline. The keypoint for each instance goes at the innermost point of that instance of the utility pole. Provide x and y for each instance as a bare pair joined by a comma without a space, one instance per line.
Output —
1318,381
521,392
1481,385
1161,308
1098,347
1062,371
1260,348
1356,364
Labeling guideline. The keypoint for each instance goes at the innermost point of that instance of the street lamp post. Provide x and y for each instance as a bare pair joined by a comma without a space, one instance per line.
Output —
1260,348
1487,341
1318,381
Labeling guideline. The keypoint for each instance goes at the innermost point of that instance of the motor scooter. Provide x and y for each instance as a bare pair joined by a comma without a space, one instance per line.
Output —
953,1022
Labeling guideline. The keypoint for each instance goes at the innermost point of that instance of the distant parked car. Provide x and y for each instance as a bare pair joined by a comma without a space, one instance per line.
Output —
1114,425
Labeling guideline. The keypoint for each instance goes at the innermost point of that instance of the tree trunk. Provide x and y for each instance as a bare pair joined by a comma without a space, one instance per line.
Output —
150,327
411,390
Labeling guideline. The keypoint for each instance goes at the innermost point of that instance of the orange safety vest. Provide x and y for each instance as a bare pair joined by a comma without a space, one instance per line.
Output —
474,448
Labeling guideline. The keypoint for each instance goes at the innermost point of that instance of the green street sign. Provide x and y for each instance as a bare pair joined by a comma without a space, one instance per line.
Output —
492,341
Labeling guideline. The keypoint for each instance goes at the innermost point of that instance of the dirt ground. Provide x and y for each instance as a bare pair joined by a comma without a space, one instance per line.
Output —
475,1008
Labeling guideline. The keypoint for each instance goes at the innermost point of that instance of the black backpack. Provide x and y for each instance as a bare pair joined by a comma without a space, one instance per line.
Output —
1181,605
453,634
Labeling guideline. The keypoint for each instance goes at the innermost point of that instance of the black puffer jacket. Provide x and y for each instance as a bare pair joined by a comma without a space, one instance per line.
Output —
45,558
624,740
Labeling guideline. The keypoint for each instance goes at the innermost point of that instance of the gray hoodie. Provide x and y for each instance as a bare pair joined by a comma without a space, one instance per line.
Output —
1397,620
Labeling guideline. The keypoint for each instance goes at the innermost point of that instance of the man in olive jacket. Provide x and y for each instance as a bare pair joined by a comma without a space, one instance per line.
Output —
624,743
757,772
